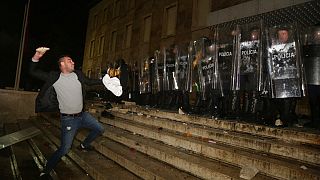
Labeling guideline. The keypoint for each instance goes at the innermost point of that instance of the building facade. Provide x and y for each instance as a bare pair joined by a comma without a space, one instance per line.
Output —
134,29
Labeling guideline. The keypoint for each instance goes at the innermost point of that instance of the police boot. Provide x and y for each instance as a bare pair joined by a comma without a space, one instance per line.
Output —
223,105
234,105
185,102
169,99
245,101
206,105
138,99
285,111
153,100
160,99
254,98
174,105
196,107
268,114
215,107
314,108
146,99
164,98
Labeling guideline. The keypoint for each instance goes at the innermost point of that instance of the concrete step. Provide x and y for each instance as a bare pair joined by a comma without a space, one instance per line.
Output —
44,148
22,157
138,163
66,168
295,135
305,153
198,165
93,163
266,163
5,161
5,164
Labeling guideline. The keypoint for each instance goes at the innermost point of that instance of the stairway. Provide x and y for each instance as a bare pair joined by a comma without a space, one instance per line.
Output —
157,144
25,158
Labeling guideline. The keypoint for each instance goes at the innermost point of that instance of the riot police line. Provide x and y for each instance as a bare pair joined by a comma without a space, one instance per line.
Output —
248,72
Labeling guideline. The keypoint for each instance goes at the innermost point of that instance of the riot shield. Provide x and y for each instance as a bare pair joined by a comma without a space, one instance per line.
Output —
191,68
284,62
205,50
248,72
169,59
225,57
145,86
181,68
311,55
249,65
157,86
228,39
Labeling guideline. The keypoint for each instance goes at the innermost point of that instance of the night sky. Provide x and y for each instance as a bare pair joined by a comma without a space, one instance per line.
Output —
58,24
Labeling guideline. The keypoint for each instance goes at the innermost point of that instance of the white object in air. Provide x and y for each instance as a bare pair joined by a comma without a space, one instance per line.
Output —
112,84
42,49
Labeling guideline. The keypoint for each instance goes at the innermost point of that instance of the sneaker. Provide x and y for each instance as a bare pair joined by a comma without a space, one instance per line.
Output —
45,176
83,148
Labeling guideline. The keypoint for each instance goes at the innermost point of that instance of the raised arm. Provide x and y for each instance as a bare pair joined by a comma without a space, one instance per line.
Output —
33,70
88,81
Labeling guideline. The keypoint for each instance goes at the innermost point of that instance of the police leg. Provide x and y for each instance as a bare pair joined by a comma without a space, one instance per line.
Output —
268,114
314,101
253,105
177,100
287,112
244,96
185,102
216,105
197,105
234,105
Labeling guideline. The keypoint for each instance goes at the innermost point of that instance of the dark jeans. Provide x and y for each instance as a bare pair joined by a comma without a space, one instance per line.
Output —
69,127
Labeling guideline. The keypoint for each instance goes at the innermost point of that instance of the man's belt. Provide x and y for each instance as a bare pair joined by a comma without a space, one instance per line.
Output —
72,115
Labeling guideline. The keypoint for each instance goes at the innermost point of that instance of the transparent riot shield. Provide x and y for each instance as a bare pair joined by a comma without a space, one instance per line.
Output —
213,50
284,62
226,39
169,59
205,50
181,68
311,55
157,86
145,86
249,65
191,68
